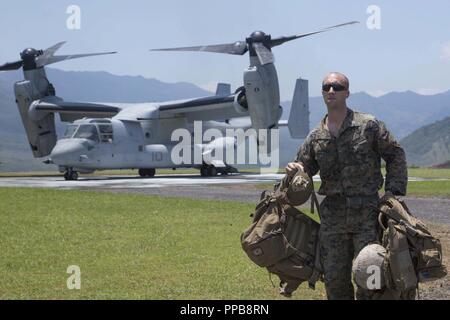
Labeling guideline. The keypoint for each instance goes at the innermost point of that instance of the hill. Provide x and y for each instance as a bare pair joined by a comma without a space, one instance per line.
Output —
429,145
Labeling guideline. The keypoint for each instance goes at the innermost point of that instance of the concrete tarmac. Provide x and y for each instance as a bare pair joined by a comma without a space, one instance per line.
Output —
236,187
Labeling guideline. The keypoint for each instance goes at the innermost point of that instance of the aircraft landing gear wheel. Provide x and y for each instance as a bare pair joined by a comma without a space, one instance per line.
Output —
70,175
204,171
208,171
74,175
144,173
212,171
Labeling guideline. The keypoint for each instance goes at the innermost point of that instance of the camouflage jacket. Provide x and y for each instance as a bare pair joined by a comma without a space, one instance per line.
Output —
350,164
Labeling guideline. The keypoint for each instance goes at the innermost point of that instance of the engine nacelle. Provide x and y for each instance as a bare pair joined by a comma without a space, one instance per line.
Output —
40,128
240,100
262,96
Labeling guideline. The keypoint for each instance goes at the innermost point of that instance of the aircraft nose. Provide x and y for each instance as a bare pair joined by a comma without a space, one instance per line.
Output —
67,151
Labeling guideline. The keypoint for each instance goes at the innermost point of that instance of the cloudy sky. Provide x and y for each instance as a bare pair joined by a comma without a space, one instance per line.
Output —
398,46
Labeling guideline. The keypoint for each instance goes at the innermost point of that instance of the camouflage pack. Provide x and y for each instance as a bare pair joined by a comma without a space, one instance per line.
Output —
284,240
414,255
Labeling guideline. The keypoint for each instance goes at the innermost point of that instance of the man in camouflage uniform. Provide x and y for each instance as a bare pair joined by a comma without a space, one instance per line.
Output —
347,147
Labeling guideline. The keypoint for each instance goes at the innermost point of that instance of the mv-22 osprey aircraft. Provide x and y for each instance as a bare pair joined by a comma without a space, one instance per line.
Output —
120,135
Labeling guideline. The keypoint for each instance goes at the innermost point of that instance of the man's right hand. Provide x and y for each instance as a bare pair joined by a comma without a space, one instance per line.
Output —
293,167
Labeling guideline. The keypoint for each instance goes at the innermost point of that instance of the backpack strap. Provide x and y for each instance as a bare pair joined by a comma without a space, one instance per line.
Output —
404,206
386,213
262,205
380,220
410,230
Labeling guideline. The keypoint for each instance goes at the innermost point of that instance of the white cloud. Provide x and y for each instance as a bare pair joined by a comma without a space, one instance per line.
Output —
445,51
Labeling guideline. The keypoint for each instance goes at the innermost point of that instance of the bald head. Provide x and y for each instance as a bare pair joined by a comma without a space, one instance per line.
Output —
341,78
335,91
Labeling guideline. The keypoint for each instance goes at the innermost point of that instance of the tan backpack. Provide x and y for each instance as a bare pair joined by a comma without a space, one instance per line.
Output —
284,240
414,255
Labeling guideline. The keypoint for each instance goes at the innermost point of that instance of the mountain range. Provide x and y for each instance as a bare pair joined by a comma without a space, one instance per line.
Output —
403,112
434,146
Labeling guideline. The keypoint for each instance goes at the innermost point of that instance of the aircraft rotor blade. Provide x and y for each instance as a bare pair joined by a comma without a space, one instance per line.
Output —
43,61
11,65
237,48
50,52
265,56
278,41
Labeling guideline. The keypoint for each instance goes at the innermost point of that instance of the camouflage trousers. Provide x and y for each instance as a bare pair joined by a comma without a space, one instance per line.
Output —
347,226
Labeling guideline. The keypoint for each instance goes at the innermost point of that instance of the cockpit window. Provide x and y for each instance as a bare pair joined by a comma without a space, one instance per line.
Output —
106,132
87,131
70,130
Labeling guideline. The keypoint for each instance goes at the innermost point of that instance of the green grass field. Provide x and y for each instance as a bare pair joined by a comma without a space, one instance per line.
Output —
429,173
425,189
127,247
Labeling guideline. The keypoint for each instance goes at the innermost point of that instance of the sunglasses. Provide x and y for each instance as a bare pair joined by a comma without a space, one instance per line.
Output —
336,87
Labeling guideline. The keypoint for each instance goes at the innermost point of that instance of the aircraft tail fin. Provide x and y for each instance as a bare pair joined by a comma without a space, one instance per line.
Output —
298,123
223,89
